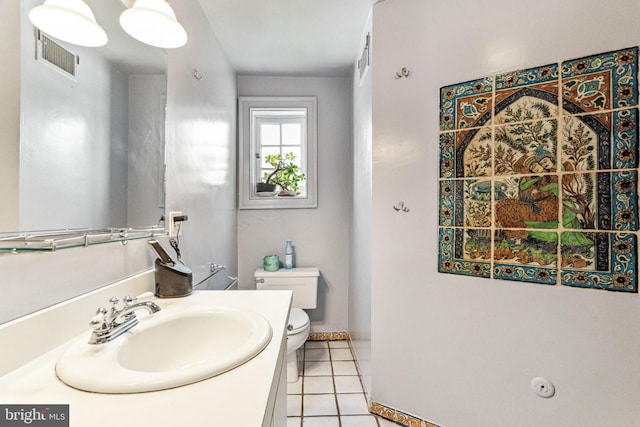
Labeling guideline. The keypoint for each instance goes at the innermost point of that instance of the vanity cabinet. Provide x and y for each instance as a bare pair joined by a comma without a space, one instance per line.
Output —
250,395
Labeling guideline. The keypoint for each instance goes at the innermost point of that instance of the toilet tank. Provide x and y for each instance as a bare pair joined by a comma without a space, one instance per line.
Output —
302,281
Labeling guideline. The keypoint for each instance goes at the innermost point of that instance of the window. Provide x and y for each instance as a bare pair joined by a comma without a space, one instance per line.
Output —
277,144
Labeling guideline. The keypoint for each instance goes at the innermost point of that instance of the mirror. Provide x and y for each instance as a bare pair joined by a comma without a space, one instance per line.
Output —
92,125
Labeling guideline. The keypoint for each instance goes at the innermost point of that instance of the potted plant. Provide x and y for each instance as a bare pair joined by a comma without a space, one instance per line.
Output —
285,174
265,187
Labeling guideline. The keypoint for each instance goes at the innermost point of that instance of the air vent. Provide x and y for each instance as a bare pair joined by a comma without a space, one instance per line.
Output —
57,55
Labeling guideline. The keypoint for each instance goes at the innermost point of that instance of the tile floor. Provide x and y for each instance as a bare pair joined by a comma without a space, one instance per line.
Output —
329,392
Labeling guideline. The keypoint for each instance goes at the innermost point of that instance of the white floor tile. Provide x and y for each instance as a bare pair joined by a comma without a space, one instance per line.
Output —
295,388
358,421
320,422
352,404
311,401
386,423
294,405
318,385
341,354
317,368
316,344
319,404
344,367
348,384
339,344
314,354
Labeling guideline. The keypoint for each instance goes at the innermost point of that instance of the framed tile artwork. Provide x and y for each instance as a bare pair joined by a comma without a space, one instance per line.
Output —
539,174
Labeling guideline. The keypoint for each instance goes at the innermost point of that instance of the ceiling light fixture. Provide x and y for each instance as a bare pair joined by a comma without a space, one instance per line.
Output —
71,21
153,22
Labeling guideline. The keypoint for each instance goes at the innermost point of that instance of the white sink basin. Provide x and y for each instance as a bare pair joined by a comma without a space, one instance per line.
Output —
171,348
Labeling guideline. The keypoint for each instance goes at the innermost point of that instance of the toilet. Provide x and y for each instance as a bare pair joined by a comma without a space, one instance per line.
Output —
304,284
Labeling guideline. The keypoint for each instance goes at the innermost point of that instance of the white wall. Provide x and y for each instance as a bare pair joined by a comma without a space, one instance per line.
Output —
201,146
32,281
66,144
460,351
146,158
10,114
321,235
360,232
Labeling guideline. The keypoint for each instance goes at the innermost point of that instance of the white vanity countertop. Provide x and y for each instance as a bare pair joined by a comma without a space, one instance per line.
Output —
238,397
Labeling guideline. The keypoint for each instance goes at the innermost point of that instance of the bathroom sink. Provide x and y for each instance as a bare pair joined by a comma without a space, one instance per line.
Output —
171,348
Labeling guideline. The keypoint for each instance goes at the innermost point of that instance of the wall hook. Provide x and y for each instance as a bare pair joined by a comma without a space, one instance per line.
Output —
400,207
197,75
404,72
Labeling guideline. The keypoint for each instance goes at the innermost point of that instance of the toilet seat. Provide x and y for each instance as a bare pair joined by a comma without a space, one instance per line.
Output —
298,320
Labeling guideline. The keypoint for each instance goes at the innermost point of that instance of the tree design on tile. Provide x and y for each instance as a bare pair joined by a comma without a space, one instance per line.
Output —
477,156
533,142
525,109
578,201
578,147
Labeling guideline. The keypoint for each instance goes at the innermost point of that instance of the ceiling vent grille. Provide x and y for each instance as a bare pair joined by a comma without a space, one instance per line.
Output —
57,55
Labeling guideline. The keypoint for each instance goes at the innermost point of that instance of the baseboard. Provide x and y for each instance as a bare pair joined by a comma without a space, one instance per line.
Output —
328,336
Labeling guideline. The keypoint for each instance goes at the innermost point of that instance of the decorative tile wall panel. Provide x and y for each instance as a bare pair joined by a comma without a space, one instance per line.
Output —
466,105
538,174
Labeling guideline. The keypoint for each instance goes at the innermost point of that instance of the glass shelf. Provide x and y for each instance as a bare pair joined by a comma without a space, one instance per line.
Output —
53,240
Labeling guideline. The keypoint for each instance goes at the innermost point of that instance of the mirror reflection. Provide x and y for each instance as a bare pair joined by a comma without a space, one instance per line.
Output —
91,129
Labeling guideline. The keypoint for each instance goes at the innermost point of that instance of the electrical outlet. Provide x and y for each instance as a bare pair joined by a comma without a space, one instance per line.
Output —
173,225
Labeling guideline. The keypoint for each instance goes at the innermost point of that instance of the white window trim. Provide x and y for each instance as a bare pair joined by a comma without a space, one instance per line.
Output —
246,197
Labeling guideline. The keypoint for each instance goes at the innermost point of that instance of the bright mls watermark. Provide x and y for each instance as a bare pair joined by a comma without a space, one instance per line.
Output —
34,415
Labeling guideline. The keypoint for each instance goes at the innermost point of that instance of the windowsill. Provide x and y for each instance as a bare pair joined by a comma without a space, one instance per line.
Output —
278,202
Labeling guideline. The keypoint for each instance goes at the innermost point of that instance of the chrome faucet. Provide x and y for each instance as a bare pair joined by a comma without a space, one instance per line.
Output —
109,324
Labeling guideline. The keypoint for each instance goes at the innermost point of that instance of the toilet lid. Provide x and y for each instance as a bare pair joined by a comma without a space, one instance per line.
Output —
298,320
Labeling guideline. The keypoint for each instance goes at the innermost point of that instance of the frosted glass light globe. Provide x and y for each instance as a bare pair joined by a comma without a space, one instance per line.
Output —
153,22
71,21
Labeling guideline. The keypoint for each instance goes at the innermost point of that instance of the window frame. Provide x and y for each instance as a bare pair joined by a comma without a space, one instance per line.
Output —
247,178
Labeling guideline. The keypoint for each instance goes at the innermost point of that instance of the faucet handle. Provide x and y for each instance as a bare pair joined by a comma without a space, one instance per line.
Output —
128,300
114,306
99,321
